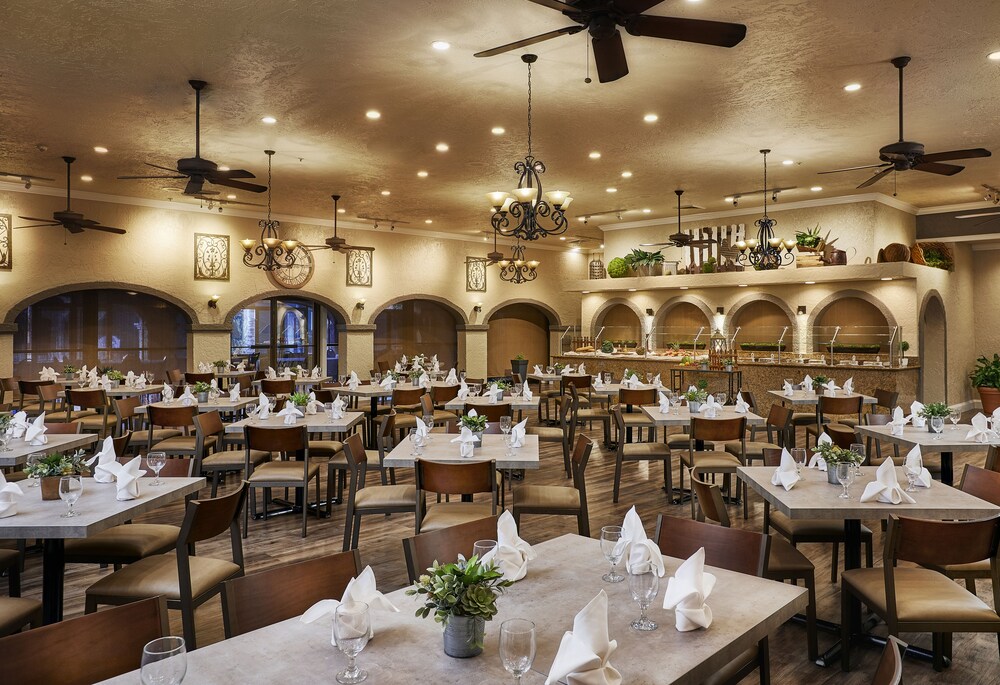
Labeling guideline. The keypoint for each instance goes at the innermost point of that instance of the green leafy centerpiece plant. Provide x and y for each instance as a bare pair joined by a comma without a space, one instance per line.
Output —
299,399
607,347
986,378
519,365
644,263
115,375
53,466
933,410
834,455
220,365
819,382
809,240
697,396
461,596
69,369
201,389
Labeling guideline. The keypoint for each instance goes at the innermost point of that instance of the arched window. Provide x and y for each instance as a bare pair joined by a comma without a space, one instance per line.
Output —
519,328
287,331
416,327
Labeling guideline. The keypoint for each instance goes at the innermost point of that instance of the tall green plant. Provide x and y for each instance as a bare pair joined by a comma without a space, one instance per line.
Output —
987,372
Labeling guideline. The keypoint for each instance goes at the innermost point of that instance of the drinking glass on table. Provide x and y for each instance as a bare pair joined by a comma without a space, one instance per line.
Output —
721,398
505,424
351,625
517,646
4,439
675,401
508,443
70,489
610,535
164,661
428,420
156,461
481,547
415,443
344,378
859,449
518,387
31,461
550,370
462,376
954,415
644,588
937,425
913,468
845,474
799,457
377,376
607,377
649,378
476,389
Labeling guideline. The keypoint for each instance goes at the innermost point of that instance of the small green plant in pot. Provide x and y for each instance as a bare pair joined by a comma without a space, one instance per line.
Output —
834,455
934,410
476,424
986,379
116,376
819,382
607,347
904,346
299,399
69,369
461,596
644,263
201,389
53,466
697,396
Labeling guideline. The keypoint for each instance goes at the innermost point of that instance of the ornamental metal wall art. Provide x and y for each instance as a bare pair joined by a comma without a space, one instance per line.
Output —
6,262
211,257
359,266
475,274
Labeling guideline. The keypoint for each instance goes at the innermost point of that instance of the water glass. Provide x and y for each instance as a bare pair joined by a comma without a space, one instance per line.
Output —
164,661
610,536
508,443
428,420
377,377
476,389
644,588
70,489
912,467
518,387
351,628
607,377
845,474
649,378
156,461
937,425
505,424
32,460
675,401
550,370
481,547
415,443
462,376
517,646
859,449
799,456
4,439
721,398
955,415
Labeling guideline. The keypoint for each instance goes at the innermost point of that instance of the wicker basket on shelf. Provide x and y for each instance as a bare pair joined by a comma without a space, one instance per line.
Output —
945,259
894,252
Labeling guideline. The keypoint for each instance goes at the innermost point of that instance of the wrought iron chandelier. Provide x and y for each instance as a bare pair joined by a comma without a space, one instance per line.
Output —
525,212
766,251
517,269
272,253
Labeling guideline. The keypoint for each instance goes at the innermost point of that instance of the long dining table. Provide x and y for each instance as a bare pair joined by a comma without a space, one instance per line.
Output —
950,440
20,449
565,576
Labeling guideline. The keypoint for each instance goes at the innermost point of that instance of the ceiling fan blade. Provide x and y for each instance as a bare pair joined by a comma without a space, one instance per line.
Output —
25,176
108,229
855,168
718,33
232,173
157,166
240,185
35,218
656,244
529,41
876,177
556,5
938,168
48,225
635,6
134,178
73,228
194,185
971,153
609,55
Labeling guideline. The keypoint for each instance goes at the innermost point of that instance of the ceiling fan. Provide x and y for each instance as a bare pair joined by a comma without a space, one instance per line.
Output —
27,178
601,18
198,170
681,239
335,242
904,155
74,222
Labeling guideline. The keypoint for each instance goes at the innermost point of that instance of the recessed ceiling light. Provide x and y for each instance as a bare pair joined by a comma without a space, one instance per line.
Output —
562,237
386,192
230,197
816,189
684,287
223,168
575,248
585,292
647,210
485,239
441,45
626,174
87,178
742,285
373,114
341,210
268,120
581,218
602,246
611,190
422,174
631,290
100,149
650,118
498,130
887,278
595,155
441,147
810,282
727,199
852,87
428,221
788,162
995,56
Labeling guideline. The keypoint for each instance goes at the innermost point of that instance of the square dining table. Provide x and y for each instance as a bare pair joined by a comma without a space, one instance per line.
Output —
97,510
442,449
799,398
301,382
20,450
561,580
516,403
320,422
814,497
681,415
374,393
952,439
223,404
128,391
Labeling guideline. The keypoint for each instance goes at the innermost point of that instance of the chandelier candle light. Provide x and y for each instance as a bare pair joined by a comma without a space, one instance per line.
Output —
520,213
766,251
517,269
272,253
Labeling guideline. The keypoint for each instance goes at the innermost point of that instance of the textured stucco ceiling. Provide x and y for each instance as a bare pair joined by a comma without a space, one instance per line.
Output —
104,72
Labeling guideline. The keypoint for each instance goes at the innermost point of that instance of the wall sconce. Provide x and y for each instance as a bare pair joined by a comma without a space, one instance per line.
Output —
213,303
360,304
801,309
720,310
649,311
478,308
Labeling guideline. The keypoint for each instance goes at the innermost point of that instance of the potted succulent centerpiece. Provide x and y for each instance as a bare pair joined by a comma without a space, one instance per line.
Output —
697,396
299,399
818,382
645,263
462,596
834,455
53,466
986,378
934,410
519,365
476,424
201,389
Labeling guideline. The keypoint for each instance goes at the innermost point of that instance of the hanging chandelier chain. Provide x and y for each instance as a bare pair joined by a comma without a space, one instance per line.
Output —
764,152
269,188
529,109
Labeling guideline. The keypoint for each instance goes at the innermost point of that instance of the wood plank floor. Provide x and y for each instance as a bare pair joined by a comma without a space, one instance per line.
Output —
276,541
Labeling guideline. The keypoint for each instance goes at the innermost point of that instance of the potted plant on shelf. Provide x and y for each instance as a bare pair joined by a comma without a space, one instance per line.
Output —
476,424
709,266
618,268
201,389
462,596
519,365
645,263
935,410
834,455
903,347
728,363
53,466
986,378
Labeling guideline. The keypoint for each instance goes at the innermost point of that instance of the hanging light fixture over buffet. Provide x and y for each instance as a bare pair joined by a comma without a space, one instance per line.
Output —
517,269
766,251
271,253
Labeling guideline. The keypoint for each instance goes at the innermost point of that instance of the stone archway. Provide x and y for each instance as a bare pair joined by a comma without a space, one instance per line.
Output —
460,315
933,343
518,327
14,311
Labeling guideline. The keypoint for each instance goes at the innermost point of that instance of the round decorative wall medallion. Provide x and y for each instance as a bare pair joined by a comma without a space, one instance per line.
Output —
296,275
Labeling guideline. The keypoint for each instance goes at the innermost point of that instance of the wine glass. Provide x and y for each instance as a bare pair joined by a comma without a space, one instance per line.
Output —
912,467
721,398
70,489
31,461
649,378
518,387
414,442
607,377
550,370
937,425
476,389
428,420
859,449
954,415
164,661
351,627
799,455
377,377
644,588
845,474
610,536
508,443
156,461
505,424
462,376
4,439
481,547
517,646
675,401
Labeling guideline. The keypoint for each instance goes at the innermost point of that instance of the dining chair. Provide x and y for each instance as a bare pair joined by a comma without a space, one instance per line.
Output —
191,378
921,600
589,413
797,531
841,435
725,462
638,451
52,402
784,562
290,472
28,392
563,434
884,399
187,580
558,499
113,646
427,408
175,376
444,545
492,412
630,398
363,500
261,599
11,563
211,457
875,458
279,388
463,478
406,403
993,458
831,410
733,549
778,425
63,429
94,412
890,665
8,385
15,614
179,419
442,394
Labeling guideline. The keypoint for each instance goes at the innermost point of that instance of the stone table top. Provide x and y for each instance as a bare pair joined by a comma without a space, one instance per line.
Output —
320,422
20,450
518,403
613,388
125,391
221,404
564,577
799,397
683,415
949,441
441,448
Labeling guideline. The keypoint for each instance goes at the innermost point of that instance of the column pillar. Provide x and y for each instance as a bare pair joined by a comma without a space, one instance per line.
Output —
472,348
208,342
7,331
356,348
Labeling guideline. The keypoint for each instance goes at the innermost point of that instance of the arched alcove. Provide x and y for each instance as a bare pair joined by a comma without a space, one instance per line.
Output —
286,331
416,326
620,322
933,350
761,320
517,328
862,324
678,324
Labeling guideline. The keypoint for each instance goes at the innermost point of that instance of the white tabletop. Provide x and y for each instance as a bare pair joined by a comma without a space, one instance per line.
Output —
809,397
303,381
125,391
614,388
949,441
441,448
683,415
319,422
544,377
517,403
20,450
222,404
97,508
564,577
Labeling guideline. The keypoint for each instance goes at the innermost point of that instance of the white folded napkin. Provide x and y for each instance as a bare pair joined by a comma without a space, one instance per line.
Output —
424,381
452,377
353,381
817,461
35,433
885,487
105,381
19,424
263,407
130,379
913,458
741,406
583,654
315,372
213,384
92,378
463,390
632,382
397,368
360,589
831,388
104,458
140,381
338,408
82,374
807,383
511,554
657,382
849,386
387,382
47,374
582,370
915,414
537,370
312,406
710,408
492,393
641,554
664,403
242,366
598,381
290,412
687,591
234,393
188,399
786,475
127,479
566,370
9,494
526,393
996,416
466,442
203,367
271,374
421,428
167,393
287,372
897,417
436,366
403,359
517,434
980,431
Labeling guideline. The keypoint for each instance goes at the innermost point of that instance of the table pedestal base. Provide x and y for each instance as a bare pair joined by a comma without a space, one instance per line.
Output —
53,570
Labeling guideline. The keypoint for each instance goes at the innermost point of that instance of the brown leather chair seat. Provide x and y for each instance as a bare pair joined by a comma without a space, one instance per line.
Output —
920,596
546,496
548,433
93,421
812,527
159,435
279,471
325,448
681,441
452,514
183,443
157,575
128,542
784,558
711,461
654,450
386,496
234,458
17,612
637,420
754,449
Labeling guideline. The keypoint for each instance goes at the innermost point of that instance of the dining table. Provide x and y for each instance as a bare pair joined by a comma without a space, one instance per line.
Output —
375,393
563,578
320,422
96,510
517,403
799,398
301,382
20,449
813,497
223,405
946,443
123,390
680,416
440,448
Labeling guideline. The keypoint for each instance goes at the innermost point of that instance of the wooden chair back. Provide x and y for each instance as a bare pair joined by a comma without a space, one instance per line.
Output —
492,412
735,549
981,483
171,417
779,420
207,424
839,406
636,397
993,458
87,398
711,506
72,428
718,430
473,381
444,546
440,394
581,382
940,543
28,389
277,386
357,463
750,399
56,654
890,666
406,397
455,478
842,436
49,393
426,404
191,378
886,399
246,383
206,518
267,597
172,468
125,412
873,419
772,457
325,395
287,439
175,376
120,443
581,455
